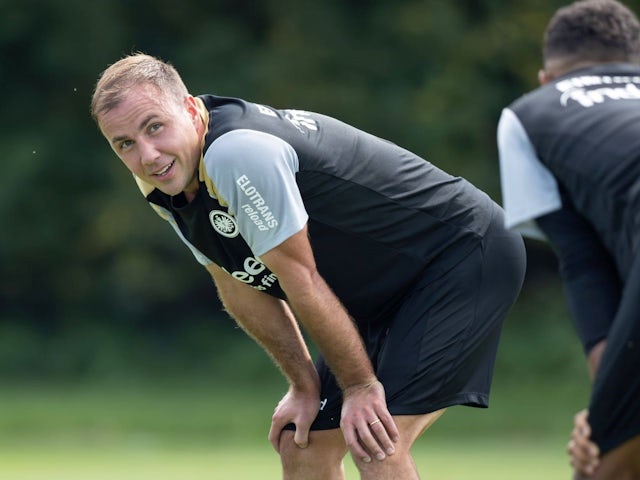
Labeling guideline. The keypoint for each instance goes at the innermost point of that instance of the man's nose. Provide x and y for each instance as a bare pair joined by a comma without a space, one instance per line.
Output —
148,152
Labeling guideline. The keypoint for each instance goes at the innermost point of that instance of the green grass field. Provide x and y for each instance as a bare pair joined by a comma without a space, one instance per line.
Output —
141,458
184,431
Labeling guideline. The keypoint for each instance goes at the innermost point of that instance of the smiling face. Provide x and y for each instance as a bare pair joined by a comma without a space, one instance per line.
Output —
157,138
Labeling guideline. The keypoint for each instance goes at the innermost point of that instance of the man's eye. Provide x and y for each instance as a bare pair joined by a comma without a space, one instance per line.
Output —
154,127
125,144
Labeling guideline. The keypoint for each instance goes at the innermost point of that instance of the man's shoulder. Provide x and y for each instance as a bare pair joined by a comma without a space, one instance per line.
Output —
576,85
216,103
227,114
543,94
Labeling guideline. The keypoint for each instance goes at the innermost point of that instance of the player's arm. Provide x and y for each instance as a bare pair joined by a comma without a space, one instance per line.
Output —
588,272
593,291
270,322
613,411
331,328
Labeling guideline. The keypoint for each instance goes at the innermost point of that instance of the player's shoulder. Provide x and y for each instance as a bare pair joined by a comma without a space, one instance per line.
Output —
542,94
245,150
246,141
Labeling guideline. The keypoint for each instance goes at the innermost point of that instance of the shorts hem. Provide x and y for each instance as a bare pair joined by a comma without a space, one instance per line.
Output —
476,400
469,399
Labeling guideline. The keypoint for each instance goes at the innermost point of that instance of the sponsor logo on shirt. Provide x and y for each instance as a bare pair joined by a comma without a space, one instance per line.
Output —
256,209
590,90
298,118
255,273
301,120
266,110
223,223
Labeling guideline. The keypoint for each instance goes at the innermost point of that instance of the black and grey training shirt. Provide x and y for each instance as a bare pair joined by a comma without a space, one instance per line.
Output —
570,171
378,216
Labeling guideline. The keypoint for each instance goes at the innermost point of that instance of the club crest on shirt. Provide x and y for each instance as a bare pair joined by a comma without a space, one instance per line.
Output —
223,223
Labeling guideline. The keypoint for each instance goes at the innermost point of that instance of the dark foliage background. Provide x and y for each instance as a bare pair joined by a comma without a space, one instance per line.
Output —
92,283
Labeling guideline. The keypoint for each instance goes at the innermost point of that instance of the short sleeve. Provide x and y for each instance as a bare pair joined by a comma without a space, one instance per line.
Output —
254,173
529,189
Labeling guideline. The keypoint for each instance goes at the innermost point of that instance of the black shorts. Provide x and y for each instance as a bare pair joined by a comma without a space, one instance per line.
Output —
440,346
614,410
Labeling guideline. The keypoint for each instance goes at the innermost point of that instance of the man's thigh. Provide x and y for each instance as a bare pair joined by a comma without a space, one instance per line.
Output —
329,445
621,463
411,427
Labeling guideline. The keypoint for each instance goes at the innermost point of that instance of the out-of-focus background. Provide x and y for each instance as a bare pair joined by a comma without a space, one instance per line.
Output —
116,361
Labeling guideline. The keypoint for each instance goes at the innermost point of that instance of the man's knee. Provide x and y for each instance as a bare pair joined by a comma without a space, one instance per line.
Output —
400,464
325,447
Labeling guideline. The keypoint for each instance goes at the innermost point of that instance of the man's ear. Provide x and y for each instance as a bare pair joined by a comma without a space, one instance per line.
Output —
544,76
190,103
192,109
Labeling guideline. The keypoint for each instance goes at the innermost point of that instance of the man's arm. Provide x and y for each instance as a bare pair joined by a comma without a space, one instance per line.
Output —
593,291
331,328
591,281
271,324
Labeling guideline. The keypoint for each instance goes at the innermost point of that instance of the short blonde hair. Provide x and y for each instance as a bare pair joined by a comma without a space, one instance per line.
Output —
132,70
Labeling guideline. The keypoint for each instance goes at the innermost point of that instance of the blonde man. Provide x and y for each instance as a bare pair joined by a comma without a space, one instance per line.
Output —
400,273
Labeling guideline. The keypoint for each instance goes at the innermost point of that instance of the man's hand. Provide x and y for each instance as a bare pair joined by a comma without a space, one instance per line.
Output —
583,452
299,408
367,425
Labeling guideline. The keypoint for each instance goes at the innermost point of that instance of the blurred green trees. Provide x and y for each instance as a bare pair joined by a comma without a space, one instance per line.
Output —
91,280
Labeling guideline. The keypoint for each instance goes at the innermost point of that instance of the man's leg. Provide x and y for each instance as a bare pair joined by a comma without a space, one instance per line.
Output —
400,465
621,463
321,460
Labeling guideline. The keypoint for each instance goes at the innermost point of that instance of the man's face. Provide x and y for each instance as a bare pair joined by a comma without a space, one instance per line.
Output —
158,139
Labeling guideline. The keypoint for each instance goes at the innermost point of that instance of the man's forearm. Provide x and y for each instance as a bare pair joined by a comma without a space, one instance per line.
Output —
330,327
285,345
320,311
271,324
